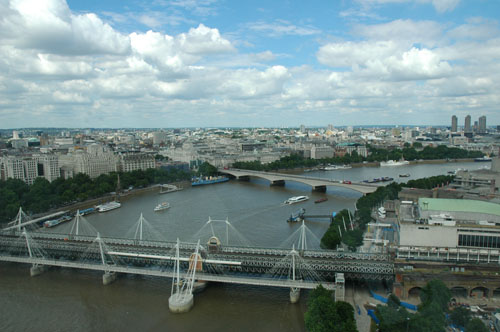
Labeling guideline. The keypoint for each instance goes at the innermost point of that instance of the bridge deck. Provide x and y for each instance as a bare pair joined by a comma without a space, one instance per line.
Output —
258,281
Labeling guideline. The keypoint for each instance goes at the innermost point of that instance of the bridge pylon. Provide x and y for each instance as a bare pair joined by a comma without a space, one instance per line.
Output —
181,299
294,291
109,276
36,269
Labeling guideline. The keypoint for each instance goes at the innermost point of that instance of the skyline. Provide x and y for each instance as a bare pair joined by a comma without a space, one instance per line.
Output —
184,63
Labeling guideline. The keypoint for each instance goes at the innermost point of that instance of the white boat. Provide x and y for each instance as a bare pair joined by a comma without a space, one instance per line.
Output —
296,199
394,163
162,206
108,206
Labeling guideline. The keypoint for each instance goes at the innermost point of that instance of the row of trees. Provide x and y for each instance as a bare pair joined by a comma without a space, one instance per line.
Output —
325,315
354,238
409,153
431,315
42,195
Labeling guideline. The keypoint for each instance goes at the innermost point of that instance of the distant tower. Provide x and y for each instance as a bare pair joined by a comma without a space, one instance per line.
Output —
482,124
454,124
467,127
330,127
302,128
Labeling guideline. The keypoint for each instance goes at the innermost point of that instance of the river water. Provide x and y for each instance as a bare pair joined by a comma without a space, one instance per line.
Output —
63,299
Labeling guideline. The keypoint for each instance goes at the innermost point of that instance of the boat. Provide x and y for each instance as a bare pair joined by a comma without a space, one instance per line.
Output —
55,222
168,188
386,178
296,199
199,181
162,206
86,211
297,215
482,159
394,163
404,175
108,206
321,200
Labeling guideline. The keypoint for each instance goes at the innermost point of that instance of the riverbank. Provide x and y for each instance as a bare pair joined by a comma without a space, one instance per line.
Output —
300,170
124,196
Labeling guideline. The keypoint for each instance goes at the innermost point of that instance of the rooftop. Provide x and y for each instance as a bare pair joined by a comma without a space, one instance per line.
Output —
459,205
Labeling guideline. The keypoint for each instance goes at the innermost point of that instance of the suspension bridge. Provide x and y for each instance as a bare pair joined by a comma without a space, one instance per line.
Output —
189,264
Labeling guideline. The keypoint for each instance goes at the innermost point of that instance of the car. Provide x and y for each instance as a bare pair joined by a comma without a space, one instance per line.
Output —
346,182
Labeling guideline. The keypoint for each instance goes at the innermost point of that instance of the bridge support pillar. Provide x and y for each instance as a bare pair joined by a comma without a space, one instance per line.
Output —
294,295
180,304
108,278
321,189
280,183
244,178
36,270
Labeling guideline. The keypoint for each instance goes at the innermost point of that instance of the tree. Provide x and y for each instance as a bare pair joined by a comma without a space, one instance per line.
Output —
207,169
435,292
460,316
476,325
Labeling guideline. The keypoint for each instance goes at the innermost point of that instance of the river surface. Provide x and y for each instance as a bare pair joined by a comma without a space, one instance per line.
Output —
73,300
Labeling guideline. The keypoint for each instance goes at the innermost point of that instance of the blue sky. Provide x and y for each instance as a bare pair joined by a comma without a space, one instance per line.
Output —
187,63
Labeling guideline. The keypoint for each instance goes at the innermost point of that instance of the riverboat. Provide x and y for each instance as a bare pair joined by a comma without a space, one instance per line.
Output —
108,206
482,159
55,222
162,206
208,180
296,199
404,175
297,216
168,188
321,200
394,163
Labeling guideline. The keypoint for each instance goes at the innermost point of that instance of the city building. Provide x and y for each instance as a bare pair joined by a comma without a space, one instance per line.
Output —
482,125
454,124
128,162
96,160
48,166
18,167
320,152
467,126
450,223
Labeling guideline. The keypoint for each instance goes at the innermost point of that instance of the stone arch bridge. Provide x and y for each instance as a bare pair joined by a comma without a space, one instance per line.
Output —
317,184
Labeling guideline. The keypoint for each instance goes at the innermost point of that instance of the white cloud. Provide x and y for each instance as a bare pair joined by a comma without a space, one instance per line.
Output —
281,27
441,6
49,26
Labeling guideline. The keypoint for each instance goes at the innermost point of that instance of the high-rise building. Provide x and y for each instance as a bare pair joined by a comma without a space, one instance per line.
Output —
22,168
330,127
454,124
467,127
482,124
302,128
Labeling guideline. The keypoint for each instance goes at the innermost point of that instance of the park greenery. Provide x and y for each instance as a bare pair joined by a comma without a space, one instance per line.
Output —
337,233
376,155
431,315
325,315
43,195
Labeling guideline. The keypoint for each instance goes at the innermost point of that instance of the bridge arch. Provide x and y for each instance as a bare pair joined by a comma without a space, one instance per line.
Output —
317,184
479,292
414,291
458,291
496,293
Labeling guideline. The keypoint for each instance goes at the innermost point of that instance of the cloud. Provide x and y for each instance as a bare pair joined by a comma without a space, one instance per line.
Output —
441,6
281,27
49,26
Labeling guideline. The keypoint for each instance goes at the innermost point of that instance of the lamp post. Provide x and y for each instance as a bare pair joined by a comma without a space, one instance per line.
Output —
407,323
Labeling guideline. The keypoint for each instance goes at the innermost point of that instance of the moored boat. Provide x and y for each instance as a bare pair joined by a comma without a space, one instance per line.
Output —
297,216
404,175
482,159
108,206
394,163
162,206
208,180
321,200
296,199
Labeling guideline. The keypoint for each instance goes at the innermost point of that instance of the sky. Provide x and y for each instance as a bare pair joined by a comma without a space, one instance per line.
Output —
211,63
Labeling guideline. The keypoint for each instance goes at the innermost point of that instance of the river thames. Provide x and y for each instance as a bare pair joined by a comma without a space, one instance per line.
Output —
63,299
